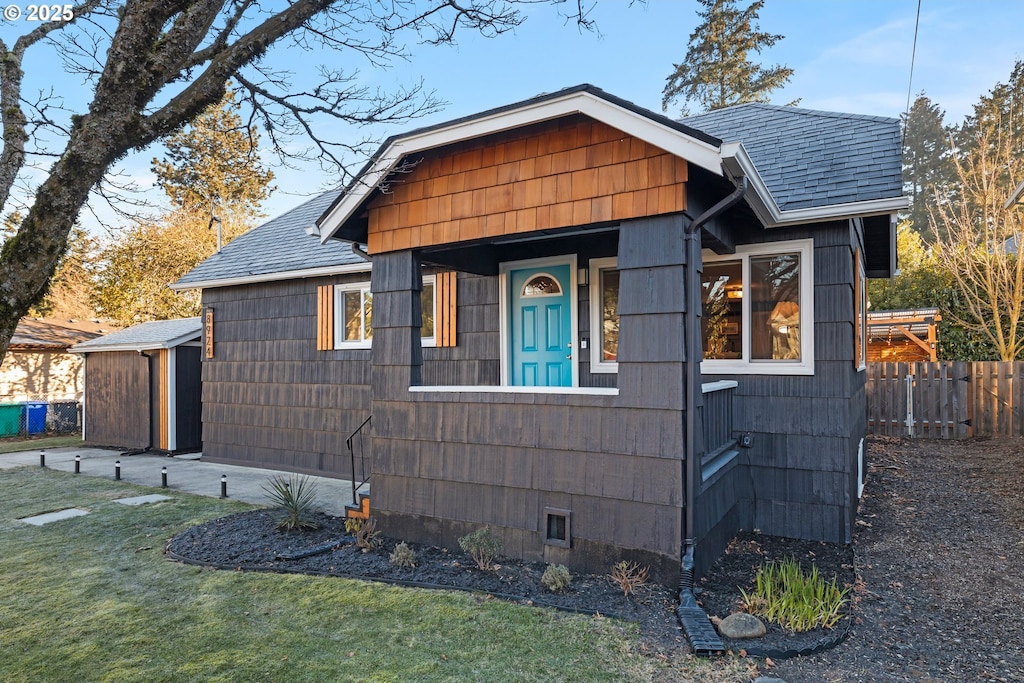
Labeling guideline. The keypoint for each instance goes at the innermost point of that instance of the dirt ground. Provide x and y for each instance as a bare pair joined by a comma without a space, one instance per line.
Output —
937,567
939,553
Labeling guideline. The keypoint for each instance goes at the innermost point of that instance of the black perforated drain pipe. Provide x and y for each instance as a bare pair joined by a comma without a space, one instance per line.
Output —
702,635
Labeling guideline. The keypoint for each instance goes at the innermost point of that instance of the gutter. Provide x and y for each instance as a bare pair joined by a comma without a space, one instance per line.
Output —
702,635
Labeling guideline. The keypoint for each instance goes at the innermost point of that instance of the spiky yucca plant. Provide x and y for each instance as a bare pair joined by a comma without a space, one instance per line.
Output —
295,496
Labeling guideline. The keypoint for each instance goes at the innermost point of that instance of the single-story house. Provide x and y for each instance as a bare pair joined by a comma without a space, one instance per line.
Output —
528,340
38,367
142,387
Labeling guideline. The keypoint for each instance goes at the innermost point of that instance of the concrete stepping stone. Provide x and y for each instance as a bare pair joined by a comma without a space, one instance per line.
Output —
142,500
46,518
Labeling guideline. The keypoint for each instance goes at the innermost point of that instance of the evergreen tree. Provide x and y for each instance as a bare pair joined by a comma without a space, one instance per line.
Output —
211,169
928,170
215,162
716,72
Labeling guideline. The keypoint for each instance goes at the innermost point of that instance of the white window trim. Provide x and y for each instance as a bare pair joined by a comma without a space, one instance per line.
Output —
431,341
597,362
746,366
339,315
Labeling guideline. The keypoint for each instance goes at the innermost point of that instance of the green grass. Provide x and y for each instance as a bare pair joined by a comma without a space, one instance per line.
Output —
93,599
34,443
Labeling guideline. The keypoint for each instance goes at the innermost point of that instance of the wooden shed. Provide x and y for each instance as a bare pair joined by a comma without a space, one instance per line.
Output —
142,387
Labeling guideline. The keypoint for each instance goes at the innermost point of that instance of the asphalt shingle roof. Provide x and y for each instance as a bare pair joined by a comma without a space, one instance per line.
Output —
151,335
280,245
810,158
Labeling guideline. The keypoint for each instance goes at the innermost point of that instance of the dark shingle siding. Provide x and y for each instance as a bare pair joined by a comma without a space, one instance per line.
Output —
280,245
810,158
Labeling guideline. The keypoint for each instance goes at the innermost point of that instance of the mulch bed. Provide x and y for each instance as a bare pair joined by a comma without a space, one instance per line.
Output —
940,557
938,583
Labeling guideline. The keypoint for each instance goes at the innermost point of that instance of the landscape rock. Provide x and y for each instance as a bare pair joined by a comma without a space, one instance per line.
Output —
742,625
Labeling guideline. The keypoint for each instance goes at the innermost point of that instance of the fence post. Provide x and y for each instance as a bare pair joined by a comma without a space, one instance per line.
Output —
909,422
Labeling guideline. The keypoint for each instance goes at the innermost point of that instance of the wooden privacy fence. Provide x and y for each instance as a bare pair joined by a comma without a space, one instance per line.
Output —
946,399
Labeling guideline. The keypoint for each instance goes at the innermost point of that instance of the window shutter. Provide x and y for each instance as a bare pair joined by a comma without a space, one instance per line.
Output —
444,317
325,317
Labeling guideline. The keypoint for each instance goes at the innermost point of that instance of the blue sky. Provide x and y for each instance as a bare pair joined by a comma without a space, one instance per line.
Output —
848,55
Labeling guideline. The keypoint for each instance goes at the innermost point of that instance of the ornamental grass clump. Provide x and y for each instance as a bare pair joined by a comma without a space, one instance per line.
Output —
482,545
795,600
295,496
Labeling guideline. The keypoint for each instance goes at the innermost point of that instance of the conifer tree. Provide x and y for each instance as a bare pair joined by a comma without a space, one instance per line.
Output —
928,171
717,71
211,172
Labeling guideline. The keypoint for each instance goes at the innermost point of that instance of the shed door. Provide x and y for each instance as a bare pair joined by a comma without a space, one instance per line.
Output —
541,326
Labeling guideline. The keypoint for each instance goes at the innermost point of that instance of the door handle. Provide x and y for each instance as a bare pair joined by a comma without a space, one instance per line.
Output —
570,350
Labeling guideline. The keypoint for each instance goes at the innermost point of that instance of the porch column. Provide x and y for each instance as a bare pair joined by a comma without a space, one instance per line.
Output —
397,355
652,304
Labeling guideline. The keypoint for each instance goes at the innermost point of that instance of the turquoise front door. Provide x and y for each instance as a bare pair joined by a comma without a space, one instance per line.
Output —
541,326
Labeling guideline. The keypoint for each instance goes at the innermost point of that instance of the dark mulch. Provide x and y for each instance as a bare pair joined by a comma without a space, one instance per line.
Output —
249,541
940,555
939,560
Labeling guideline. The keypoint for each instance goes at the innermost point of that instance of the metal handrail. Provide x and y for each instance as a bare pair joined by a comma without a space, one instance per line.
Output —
349,443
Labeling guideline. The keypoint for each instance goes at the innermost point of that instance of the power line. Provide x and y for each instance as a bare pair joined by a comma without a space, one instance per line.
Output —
913,57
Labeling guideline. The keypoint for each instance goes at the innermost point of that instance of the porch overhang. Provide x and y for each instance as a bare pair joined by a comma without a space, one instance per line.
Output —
345,219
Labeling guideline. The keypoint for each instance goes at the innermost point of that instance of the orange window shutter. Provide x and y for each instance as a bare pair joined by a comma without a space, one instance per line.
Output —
447,286
325,317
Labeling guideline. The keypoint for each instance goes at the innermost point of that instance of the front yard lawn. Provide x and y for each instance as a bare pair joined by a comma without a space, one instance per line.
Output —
93,599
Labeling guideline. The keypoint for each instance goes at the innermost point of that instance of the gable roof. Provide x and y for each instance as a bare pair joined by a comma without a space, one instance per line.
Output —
52,334
158,334
715,142
281,248
810,158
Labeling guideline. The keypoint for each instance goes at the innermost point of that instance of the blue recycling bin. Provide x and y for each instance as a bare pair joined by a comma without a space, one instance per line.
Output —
35,418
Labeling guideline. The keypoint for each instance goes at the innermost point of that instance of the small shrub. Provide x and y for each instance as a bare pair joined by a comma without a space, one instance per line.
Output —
629,576
295,495
482,545
403,556
366,534
796,601
353,525
556,578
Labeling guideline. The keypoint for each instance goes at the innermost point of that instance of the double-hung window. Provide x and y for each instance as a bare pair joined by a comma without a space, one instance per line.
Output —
353,314
604,315
758,307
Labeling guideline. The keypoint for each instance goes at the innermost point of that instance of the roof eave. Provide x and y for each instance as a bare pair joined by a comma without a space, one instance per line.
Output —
273,277
737,163
696,151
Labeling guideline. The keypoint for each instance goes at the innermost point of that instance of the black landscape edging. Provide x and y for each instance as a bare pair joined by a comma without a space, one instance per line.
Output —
394,582
826,643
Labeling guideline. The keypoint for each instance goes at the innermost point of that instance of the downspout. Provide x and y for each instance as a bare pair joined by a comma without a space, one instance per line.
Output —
695,624
358,250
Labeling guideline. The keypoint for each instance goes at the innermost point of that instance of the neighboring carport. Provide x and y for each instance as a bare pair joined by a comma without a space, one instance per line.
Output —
142,387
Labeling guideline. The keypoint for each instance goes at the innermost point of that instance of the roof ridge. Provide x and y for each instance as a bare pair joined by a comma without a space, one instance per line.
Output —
785,108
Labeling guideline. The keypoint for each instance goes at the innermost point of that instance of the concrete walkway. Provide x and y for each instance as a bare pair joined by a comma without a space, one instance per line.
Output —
184,473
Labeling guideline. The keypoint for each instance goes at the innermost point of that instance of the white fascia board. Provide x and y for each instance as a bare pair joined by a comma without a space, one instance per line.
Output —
703,154
139,346
737,164
273,277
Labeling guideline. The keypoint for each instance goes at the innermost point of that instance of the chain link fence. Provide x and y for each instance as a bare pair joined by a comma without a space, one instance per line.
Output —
38,415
